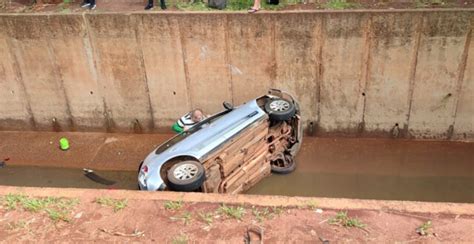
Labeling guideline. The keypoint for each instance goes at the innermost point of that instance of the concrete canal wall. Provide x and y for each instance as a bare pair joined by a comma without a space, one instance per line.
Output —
358,73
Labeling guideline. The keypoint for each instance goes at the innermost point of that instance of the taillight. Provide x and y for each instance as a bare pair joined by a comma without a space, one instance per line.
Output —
145,169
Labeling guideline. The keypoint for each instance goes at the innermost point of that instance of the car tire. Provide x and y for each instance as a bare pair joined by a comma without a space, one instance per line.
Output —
283,165
280,109
186,176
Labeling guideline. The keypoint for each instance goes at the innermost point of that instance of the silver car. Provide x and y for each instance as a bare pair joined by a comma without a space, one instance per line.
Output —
231,151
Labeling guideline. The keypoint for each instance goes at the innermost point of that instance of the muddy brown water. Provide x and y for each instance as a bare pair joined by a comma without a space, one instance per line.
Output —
326,167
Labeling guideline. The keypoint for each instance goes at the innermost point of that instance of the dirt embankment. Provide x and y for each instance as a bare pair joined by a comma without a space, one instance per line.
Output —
107,217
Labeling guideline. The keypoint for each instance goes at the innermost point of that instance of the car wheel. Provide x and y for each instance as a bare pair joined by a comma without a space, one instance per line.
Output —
186,176
280,109
283,165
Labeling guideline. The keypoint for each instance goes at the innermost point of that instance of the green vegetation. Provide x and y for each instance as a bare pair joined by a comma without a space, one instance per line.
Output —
339,4
425,228
342,219
261,215
232,212
186,217
190,6
116,204
57,215
181,239
56,208
207,218
427,3
277,210
20,224
232,5
173,205
311,204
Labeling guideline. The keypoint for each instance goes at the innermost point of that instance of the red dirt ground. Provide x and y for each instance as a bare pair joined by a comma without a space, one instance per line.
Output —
91,221
23,6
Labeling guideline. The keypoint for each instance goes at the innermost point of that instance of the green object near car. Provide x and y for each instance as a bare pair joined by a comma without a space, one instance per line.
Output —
64,144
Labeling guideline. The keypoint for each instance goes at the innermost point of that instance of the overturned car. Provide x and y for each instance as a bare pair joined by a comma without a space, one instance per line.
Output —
231,151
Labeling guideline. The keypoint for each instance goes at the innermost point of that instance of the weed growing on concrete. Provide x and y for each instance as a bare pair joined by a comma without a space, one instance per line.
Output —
116,204
181,239
232,212
173,205
207,218
339,4
342,219
425,228
186,217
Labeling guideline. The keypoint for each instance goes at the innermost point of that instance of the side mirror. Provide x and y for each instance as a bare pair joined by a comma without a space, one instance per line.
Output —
228,105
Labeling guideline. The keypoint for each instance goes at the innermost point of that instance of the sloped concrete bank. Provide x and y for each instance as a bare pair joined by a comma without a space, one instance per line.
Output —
402,73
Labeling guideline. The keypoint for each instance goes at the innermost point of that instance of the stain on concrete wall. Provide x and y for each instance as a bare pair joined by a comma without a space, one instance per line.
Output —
205,59
160,45
69,43
298,58
393,49
250,45
31,47
443,38
355,73
121,71
14,106
343,61
463,127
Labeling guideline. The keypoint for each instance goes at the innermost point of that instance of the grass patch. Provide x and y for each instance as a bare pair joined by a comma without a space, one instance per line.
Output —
232,212
311,205
339,4
16,225
425,229
277,210
207,218
196,6
181,239
342,219
261,215
116,204
58,215
232,5
11,201
428,3
173,205
186,217
57,209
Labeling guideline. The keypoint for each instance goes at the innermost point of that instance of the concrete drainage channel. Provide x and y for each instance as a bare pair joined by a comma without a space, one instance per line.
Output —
381,169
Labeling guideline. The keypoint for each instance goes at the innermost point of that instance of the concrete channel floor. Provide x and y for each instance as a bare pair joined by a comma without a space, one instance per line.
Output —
293,220
382,169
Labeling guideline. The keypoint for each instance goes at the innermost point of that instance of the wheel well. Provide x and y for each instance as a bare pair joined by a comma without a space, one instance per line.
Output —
166,166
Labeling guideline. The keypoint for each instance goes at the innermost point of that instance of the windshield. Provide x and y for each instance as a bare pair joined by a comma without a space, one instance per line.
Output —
181,136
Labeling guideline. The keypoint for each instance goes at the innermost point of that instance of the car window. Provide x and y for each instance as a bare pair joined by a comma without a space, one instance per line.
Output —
181,136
